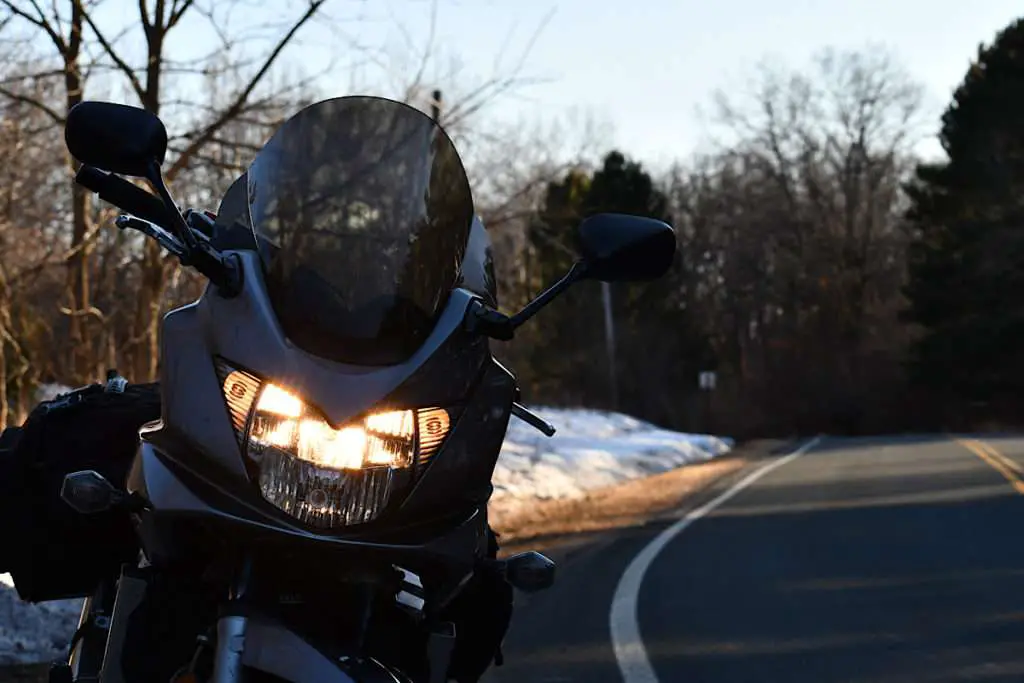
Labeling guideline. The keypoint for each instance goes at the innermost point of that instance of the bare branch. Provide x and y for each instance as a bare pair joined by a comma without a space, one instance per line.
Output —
213,162
123,66
39,75
239,104
32,102
55,13
417,80
236,144
178,11
483,95
38,21
91,311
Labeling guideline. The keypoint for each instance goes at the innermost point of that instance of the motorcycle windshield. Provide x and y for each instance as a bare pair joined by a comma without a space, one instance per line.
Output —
364,211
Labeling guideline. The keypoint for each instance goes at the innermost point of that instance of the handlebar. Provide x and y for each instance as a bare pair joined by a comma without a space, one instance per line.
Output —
123,194
159,220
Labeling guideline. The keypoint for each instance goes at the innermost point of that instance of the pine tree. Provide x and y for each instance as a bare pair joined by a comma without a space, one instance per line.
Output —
658,350
967,263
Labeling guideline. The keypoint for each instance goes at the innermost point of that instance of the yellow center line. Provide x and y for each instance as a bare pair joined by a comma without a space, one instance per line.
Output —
997,461
1003,458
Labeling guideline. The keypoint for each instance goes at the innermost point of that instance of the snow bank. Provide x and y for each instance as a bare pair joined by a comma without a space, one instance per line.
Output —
591,450
34,633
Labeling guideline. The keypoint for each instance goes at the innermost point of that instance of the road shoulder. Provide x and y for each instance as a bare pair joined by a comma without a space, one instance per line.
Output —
546,523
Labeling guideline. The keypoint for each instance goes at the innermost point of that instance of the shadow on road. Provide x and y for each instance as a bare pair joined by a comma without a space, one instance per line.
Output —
885,576
884,560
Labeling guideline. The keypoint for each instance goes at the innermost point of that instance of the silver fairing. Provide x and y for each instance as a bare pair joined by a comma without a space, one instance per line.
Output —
196,437
244,331
197,432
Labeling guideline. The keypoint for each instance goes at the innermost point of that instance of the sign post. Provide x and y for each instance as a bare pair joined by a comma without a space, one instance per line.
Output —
707,380
435,105
609,338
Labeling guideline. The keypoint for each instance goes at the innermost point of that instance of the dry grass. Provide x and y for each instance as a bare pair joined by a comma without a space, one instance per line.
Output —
628,504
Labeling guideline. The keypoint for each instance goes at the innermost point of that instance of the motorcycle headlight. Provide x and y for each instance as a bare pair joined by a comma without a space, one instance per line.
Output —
327,477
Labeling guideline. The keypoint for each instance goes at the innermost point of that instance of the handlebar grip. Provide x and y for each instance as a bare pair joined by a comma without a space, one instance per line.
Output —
125,195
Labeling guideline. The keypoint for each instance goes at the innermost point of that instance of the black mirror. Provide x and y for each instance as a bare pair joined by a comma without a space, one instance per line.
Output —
614,247
617,247
115,137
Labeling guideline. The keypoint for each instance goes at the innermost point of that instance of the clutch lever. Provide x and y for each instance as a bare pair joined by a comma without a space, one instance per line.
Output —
533,419
163,237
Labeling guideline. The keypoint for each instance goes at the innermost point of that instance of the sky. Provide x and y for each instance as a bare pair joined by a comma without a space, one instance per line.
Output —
643,66
647,65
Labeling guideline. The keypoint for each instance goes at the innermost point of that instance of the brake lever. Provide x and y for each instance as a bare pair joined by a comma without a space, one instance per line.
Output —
533,419
224,273
163,237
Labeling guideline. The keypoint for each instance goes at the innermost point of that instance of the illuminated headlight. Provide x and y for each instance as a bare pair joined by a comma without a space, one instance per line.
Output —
327,477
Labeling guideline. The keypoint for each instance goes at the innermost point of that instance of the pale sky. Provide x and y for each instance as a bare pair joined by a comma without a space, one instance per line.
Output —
646,65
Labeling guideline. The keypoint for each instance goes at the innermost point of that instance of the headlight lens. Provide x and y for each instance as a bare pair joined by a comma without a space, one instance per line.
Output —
327,477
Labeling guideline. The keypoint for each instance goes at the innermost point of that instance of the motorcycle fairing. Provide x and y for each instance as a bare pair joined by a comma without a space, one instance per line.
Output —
275,649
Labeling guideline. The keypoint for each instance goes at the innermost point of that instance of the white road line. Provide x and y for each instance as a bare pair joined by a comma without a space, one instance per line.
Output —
625,629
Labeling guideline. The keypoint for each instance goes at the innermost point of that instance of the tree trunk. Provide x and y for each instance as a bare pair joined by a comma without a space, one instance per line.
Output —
4,405
78,267
150,295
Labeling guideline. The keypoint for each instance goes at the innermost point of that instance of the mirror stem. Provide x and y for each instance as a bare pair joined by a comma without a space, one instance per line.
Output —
496,325
184,234
226,274
578,270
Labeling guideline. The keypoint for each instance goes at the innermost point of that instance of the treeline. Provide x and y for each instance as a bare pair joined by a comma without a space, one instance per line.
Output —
831,281
788,284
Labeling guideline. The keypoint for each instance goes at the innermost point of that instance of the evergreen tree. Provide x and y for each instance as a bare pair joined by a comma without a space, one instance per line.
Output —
562,342
965,269
658,349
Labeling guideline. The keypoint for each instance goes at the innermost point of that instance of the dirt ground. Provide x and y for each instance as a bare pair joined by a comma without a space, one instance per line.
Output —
546,522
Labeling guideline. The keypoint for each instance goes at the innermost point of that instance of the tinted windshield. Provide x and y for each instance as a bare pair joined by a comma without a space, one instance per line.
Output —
365,209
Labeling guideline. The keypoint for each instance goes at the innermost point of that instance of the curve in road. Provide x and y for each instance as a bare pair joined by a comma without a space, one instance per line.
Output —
630,654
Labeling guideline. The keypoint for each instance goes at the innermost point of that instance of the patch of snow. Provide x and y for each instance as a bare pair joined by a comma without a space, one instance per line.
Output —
590,450
32,633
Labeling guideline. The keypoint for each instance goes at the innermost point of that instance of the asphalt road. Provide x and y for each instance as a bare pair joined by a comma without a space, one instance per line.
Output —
883,560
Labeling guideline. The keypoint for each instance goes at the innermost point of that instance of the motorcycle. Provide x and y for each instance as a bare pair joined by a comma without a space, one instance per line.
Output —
314,495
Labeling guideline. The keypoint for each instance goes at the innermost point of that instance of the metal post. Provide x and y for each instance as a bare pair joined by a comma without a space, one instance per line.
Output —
435,105
707,380
609,335
708,426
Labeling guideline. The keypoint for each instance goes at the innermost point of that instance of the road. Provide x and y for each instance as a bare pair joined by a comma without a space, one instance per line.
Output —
882,560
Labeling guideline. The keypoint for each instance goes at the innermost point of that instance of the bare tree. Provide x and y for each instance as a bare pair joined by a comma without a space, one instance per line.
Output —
33,240
800,221
115,285
67,26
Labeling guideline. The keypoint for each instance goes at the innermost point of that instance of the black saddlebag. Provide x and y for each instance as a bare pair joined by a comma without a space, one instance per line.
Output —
52,551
